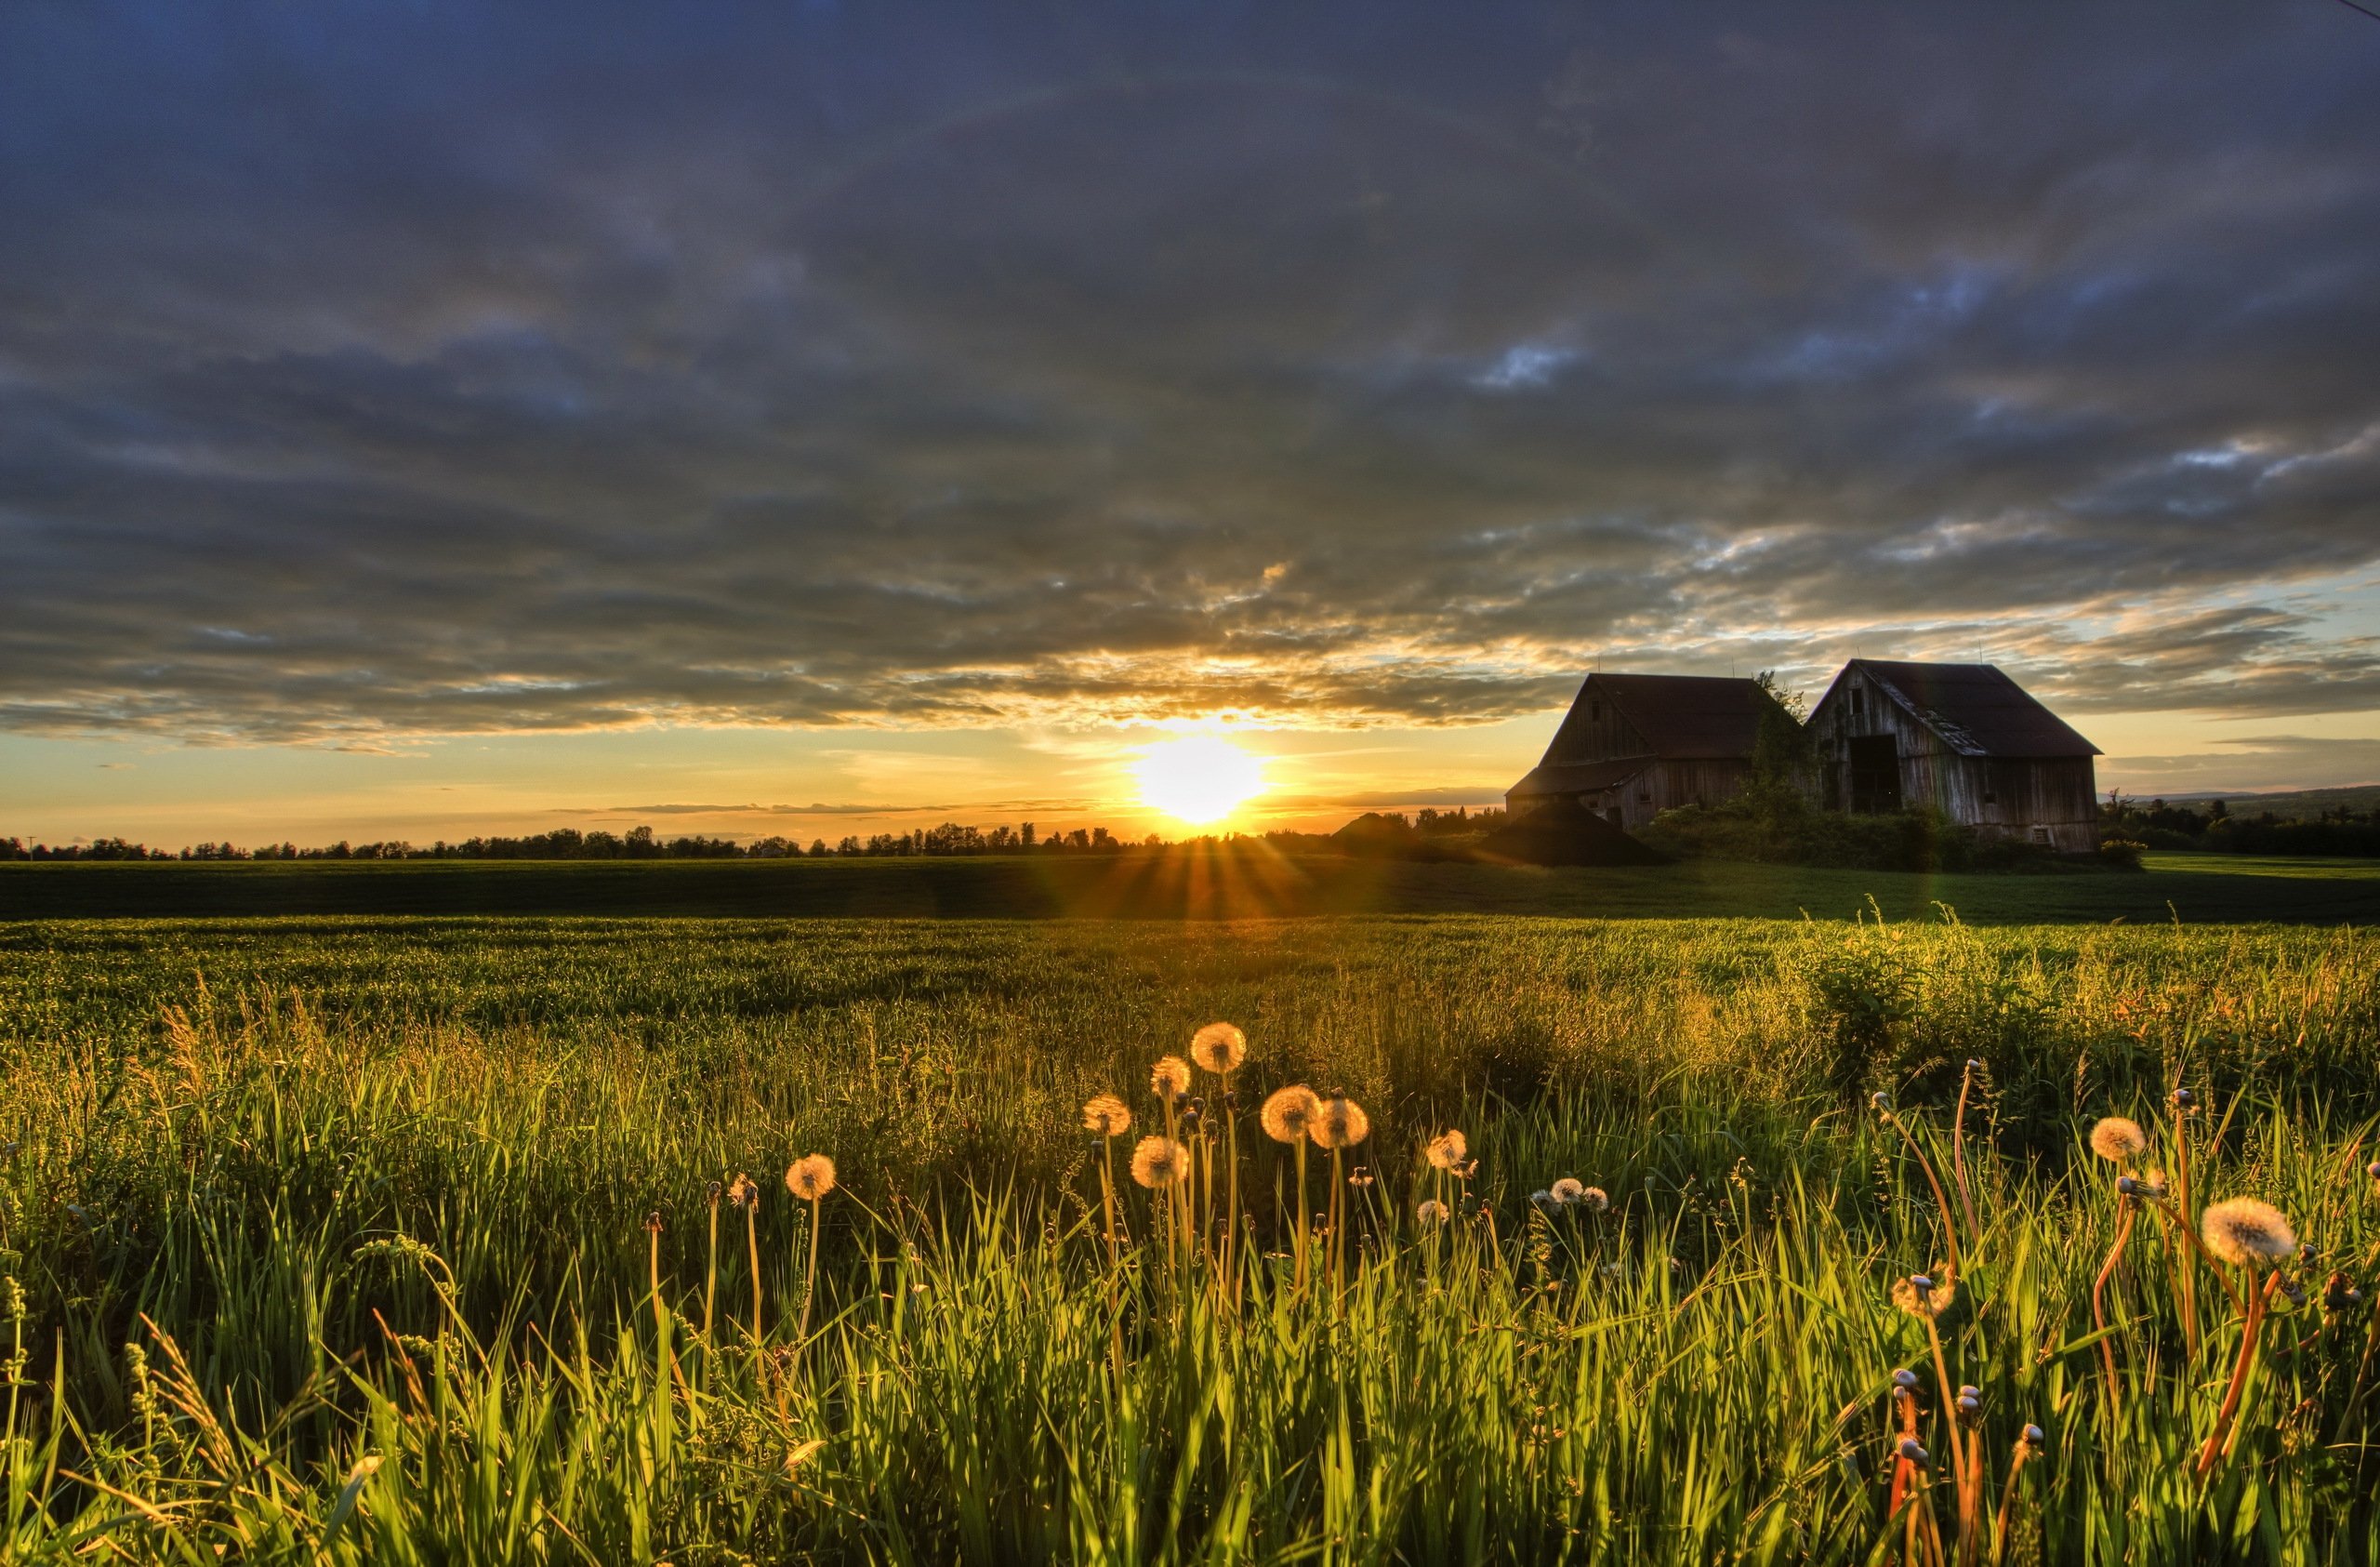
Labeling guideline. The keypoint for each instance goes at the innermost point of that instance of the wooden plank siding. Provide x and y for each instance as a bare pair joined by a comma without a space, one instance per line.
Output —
1635,801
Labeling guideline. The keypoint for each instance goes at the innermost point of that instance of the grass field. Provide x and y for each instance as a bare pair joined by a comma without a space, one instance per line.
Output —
332,1235
1249,881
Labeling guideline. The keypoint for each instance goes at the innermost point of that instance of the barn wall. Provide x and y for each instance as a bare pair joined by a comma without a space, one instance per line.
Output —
1666,785
1660,787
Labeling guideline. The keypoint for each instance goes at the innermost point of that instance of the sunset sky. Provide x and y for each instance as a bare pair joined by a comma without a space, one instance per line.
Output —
428,420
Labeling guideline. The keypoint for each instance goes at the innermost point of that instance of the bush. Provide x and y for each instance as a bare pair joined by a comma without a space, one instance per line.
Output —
2122,853
1920,839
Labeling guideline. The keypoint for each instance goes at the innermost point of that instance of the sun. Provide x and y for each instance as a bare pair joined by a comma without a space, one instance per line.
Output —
1198,779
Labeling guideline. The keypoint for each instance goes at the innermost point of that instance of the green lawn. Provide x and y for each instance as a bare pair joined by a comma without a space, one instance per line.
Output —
1248,883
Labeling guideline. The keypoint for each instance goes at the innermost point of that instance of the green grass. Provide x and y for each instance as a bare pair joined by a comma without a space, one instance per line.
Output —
2211,888
369,1198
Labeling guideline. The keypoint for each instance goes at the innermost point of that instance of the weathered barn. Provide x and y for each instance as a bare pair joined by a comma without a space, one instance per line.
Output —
1963,737
1636,745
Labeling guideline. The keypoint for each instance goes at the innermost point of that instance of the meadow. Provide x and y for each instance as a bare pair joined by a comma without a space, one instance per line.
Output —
1240,879
418,1240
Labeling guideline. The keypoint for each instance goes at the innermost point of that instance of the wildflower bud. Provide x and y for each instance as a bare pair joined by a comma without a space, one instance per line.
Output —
2373,1169
1905,1380
1912,1454
710,1192
2033,1438
1882,1102
653,1222
2339,1293
1974,1064
1969,1390
2183,1098
2294,1289
1921,1284
1970,1410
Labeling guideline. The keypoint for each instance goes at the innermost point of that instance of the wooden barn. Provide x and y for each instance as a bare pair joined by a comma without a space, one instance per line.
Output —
1962,736
1634,745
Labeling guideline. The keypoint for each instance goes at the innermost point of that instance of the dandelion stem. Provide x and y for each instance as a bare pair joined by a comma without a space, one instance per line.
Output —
2099,1307
1947,1396
1941,1201
1338,1207
1958,1151
2189,1269
711,1282
752,1249
2259,1302
809,1283
2009,1504
1304,1222
1107,1196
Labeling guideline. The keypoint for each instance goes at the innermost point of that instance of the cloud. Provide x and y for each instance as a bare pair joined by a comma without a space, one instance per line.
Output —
2252,764
518,374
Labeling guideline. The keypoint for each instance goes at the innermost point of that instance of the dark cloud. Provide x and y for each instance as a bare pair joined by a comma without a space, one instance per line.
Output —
365,374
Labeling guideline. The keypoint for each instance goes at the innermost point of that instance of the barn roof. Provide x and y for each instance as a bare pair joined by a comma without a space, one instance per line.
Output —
1582,778
1682,716
1976,708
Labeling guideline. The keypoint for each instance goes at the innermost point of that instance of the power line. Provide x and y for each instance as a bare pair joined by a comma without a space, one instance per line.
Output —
2365,11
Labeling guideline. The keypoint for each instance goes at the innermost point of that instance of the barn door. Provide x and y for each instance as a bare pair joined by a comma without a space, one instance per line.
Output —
1875,773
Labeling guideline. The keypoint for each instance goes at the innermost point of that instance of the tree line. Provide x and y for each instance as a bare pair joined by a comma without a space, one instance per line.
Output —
2340,830
639,842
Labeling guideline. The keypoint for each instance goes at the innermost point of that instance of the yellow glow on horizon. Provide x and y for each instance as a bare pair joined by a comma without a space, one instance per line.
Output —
1198,779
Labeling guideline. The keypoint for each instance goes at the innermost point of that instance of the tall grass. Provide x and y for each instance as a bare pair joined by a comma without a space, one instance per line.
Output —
342,1251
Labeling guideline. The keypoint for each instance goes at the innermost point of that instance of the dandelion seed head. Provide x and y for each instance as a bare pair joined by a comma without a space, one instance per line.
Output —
1219,1047
1569,1189
2247,1234
1341,1122
1432,1212
1160,1162
1446,1149
743,1190
2119,1141
1288,1114
1542,1197
810,1177
1105,1114
1594,1199
1917,1295
1169,1078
